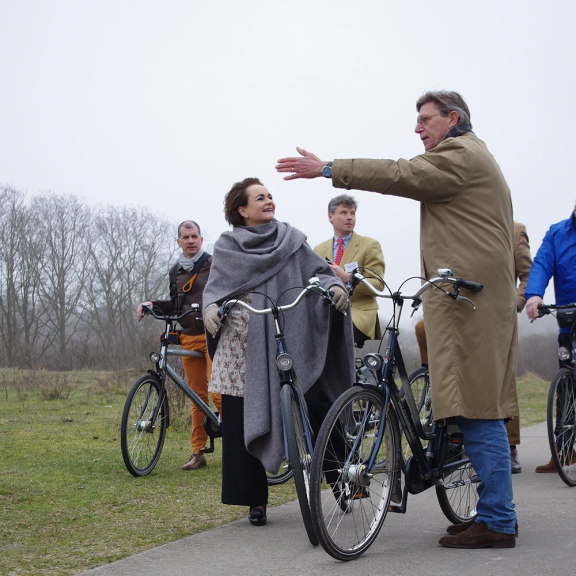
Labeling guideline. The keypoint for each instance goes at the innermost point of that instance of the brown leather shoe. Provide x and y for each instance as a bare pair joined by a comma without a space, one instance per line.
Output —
515,462
196,461
459,528
479,536
547,468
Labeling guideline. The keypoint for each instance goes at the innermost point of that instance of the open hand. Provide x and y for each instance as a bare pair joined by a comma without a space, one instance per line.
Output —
306,166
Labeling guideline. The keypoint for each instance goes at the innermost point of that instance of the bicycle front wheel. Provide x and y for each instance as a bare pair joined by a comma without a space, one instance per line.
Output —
561,422
141,438
348,517
299,455
457,493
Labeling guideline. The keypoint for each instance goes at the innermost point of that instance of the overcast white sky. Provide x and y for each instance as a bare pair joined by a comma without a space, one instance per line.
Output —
166,104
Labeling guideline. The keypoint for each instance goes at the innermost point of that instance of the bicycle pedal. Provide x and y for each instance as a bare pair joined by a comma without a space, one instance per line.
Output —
456,437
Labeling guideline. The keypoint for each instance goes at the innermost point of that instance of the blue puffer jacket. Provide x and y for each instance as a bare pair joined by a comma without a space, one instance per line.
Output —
556,257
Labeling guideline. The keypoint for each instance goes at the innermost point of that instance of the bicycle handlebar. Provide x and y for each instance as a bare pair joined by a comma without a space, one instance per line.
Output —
313,286
544,309
169,317
444,275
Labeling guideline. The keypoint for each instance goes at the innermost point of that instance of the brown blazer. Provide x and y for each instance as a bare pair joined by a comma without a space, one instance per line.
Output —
367,252
522,262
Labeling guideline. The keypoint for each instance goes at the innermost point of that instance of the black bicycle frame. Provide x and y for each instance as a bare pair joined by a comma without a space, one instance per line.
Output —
287,379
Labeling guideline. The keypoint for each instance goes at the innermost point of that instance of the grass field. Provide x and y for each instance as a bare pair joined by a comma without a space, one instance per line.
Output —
68,504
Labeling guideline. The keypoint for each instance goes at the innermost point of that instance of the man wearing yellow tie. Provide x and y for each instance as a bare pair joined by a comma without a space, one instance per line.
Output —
347,251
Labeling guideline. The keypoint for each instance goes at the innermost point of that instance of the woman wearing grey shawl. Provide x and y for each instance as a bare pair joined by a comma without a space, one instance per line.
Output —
264,257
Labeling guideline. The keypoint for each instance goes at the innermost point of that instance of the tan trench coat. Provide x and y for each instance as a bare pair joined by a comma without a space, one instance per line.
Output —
465,225
367,252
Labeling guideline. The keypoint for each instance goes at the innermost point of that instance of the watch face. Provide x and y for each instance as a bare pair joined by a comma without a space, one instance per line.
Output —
327,171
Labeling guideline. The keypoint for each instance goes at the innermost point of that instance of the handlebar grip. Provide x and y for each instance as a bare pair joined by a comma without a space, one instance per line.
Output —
472,286
541,311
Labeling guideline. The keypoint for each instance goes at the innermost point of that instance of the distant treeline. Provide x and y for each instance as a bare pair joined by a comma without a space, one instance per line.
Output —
71,276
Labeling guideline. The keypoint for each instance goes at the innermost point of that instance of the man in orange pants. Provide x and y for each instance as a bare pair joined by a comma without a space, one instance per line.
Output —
187,280
522,265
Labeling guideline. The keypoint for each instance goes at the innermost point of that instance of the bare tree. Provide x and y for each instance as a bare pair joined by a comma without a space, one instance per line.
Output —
21,254
130,256
64,224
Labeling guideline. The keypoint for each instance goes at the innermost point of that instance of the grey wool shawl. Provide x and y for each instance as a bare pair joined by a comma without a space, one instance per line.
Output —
274,260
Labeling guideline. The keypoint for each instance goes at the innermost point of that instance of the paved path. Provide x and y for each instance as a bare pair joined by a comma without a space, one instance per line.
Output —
407,544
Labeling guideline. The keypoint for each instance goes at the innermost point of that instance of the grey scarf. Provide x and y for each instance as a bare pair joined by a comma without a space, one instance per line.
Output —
248,256
188,263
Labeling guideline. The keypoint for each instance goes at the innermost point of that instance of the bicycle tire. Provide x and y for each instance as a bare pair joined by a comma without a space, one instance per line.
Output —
420,384
459,498
348,518
142,442
561,433
298,455
282,476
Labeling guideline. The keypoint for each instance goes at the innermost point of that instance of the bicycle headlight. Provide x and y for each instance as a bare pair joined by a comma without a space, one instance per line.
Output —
154,357
284,362
373,361
563,354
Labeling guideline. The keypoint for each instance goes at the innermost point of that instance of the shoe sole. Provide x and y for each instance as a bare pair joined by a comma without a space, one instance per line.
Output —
194,468
503,544
453,533
546,471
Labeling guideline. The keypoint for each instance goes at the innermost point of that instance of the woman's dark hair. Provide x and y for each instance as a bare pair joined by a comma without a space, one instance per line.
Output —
238,196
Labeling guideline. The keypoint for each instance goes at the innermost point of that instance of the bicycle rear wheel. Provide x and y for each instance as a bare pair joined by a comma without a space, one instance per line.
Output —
141,439
457,495
299,455
561,422
348,517
282,476
420,384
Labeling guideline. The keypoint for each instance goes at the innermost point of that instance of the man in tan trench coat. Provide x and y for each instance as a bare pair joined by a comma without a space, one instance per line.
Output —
465,225
522,265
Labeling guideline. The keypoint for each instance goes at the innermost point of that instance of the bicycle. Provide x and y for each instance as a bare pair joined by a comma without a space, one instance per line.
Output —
561,409
146,416
298,434
367,421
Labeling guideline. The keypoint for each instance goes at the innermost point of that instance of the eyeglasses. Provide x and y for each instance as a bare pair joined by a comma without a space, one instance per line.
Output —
425,119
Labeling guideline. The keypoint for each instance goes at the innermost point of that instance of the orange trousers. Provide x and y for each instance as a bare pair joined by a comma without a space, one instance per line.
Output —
198,372
512,426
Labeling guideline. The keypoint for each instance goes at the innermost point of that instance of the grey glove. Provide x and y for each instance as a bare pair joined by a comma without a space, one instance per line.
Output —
339,298
211,319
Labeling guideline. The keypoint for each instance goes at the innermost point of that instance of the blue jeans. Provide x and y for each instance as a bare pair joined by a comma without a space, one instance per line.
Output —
486,444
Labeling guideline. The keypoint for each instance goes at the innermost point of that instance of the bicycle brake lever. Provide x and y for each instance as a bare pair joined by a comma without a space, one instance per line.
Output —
467,300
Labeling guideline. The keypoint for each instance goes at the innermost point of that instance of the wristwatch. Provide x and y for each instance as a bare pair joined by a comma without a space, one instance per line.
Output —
327,170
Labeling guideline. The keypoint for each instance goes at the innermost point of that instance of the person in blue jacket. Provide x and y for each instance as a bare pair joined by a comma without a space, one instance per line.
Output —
556,257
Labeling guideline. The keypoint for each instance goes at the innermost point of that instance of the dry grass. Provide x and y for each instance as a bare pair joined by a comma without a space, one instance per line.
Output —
67,501
68,504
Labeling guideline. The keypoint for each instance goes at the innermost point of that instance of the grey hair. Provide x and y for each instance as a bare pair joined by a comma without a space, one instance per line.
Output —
188,224
447,101
342,199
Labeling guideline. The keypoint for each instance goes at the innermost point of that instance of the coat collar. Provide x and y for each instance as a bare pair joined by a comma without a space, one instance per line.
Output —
458,130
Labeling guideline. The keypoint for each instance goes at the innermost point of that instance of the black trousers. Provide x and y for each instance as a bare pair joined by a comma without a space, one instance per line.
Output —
244,480
243,476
